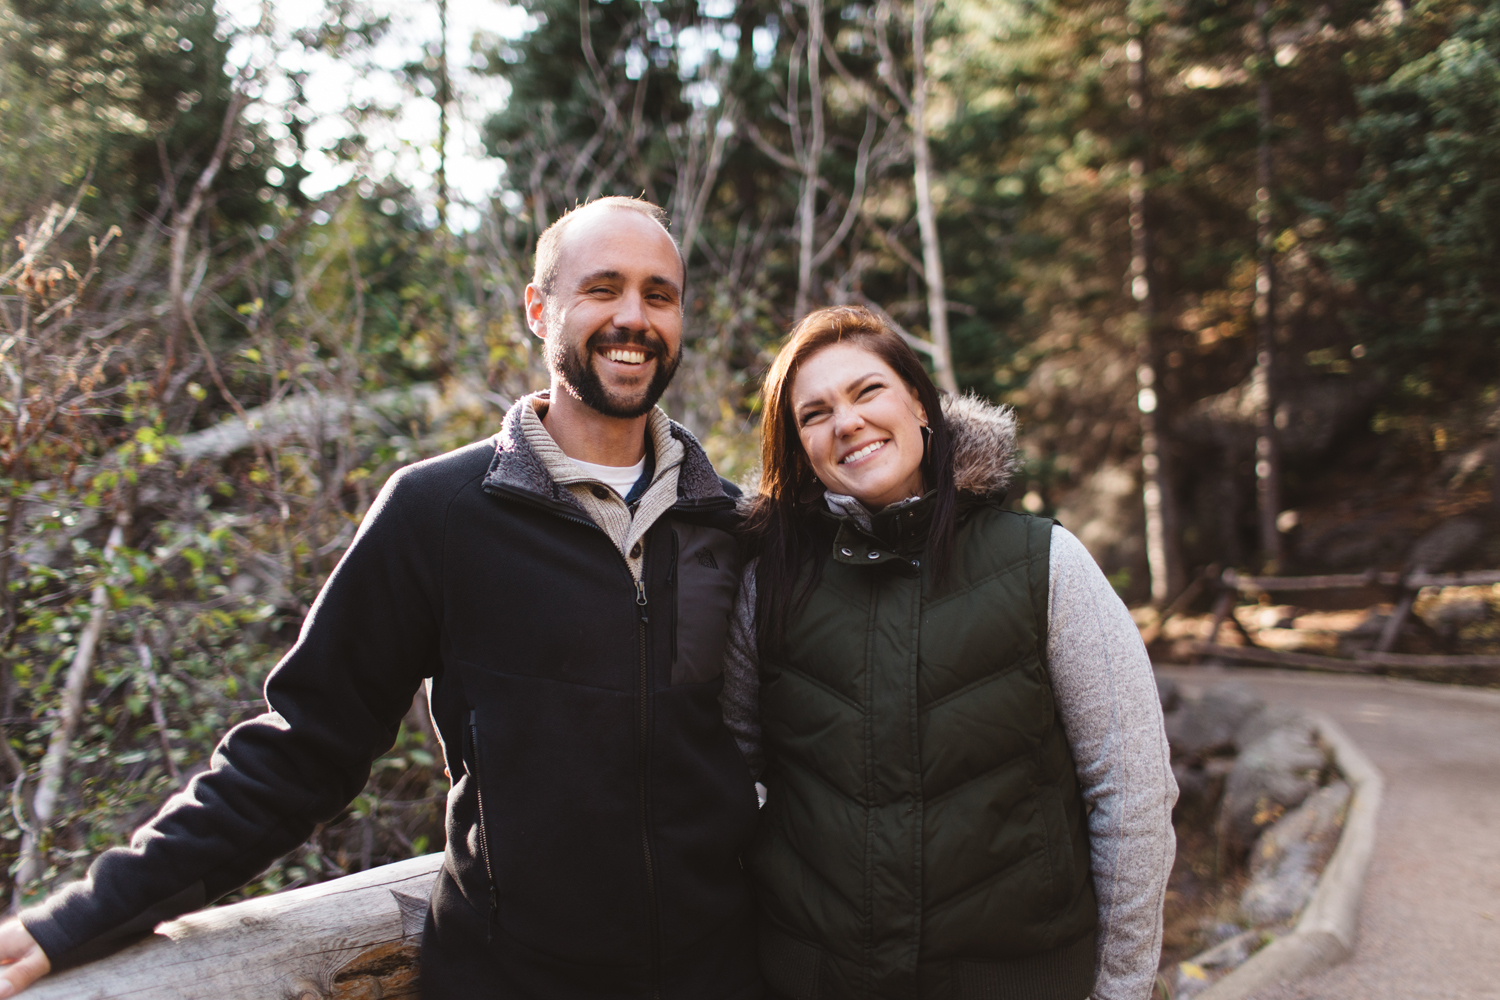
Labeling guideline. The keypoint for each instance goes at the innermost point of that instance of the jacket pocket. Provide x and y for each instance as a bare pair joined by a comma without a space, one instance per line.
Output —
472,763
707,577
790,967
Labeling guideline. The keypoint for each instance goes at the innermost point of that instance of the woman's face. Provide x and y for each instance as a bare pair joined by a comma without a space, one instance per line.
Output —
860,425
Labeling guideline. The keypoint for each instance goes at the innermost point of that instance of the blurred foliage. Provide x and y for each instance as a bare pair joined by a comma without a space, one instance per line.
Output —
365,336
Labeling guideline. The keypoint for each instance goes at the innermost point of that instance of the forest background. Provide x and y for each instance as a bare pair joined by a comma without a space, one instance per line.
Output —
1236,263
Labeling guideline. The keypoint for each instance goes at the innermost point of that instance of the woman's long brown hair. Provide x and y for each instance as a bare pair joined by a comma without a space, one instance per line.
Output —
785,527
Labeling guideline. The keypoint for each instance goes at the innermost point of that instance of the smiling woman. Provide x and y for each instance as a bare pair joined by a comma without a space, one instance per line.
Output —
967,784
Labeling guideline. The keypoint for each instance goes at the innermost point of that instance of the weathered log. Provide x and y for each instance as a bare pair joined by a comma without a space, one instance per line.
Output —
1280,658
1351,581
354,938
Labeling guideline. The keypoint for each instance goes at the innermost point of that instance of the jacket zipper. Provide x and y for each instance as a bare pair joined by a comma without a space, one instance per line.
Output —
484,838
644,764
643,760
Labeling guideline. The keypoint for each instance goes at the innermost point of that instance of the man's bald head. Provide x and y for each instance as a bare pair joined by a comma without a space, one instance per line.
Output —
549,247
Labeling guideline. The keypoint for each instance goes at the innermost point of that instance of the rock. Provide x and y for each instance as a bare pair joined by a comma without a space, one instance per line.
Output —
1168,692
1272,717
1450,617
1272,775
1201,971
1415,635
1446,544
1288,857
1200,785
1206,726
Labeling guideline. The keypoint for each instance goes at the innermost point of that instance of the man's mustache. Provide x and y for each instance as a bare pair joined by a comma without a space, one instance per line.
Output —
628,338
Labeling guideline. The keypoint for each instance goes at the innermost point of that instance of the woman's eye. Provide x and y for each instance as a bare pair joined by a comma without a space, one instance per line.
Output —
809,417
869,389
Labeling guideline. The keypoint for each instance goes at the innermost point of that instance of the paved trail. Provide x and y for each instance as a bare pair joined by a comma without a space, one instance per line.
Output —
1430,923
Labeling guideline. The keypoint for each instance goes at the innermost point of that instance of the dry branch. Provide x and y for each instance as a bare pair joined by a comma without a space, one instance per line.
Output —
55,763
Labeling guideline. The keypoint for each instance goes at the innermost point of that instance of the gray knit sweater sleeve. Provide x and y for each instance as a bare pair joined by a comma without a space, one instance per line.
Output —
1107,698
1106,695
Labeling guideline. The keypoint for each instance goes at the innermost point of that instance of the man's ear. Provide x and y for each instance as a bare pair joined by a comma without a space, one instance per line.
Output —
536,311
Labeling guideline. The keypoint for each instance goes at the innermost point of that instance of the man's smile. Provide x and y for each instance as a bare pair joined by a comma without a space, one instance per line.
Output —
625,355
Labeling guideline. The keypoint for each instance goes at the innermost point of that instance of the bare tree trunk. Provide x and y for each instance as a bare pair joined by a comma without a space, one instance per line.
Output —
932,255
1163,552
1267,451
55,763
812,155
444,97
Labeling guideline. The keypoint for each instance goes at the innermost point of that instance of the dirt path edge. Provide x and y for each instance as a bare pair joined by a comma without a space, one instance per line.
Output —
1324,935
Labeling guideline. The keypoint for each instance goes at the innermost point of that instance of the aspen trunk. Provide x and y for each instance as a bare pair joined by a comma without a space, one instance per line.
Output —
932,255
1267,449
1163,552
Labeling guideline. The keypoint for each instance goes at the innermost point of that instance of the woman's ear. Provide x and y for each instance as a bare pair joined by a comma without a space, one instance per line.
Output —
917,408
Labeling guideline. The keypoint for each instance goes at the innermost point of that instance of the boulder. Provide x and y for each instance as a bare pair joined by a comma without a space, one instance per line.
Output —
1289,857
1271,776
1206,726
1268,719
1200,785
1201,971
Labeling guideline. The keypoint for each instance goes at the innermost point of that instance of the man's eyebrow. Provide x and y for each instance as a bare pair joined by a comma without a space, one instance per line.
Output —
605,275
657,279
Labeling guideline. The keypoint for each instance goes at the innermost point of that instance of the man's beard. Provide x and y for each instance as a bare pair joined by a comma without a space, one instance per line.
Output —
575,372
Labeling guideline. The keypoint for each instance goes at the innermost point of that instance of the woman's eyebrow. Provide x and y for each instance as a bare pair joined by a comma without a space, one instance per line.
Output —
855,382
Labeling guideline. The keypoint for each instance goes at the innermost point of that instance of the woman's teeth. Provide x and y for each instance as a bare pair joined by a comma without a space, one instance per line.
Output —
626,356
868,449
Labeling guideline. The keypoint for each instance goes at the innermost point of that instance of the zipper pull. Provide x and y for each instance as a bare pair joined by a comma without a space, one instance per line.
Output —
640,593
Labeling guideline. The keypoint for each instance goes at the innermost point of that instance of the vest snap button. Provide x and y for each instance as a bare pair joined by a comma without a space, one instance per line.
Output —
917,563
846,552
873,555
602,492
635,551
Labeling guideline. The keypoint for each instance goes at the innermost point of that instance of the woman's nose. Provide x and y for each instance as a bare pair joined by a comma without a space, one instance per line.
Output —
847,420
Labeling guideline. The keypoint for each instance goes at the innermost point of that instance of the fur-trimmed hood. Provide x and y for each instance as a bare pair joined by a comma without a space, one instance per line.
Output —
985,457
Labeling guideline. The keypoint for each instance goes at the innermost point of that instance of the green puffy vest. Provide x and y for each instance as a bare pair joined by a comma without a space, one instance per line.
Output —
924,835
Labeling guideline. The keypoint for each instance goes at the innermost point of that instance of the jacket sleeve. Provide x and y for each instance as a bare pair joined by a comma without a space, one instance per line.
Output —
740,696
334,704
1106,696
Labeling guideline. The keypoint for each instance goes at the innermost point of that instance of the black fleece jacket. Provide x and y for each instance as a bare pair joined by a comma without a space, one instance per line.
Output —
599,805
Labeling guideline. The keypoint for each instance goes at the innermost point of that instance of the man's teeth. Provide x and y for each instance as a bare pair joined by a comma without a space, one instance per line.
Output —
626,356
868,449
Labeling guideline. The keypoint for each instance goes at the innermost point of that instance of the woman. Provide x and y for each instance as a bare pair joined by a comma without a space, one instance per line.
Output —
968,785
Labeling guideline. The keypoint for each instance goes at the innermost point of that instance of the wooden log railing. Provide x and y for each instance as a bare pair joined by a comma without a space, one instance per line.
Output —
1247,584
1230,584
355,938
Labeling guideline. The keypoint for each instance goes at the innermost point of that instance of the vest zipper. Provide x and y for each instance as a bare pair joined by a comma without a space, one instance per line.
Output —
645,764
484,839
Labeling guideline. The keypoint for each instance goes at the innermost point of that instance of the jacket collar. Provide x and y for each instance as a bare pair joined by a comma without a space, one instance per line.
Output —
517,467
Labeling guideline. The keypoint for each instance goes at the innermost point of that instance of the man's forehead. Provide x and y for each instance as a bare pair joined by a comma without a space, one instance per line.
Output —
615,239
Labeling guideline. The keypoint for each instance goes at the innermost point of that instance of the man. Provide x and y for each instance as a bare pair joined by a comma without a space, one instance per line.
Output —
564,589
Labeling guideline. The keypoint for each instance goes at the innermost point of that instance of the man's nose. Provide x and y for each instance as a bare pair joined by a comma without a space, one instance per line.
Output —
630,312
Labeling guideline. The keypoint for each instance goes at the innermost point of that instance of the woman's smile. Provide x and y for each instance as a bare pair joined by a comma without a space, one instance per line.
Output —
862,453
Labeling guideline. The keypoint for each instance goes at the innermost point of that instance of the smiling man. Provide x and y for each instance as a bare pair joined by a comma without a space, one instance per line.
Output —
563,589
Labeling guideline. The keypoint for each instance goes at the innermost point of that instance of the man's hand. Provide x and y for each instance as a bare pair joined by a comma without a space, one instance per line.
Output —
22,961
